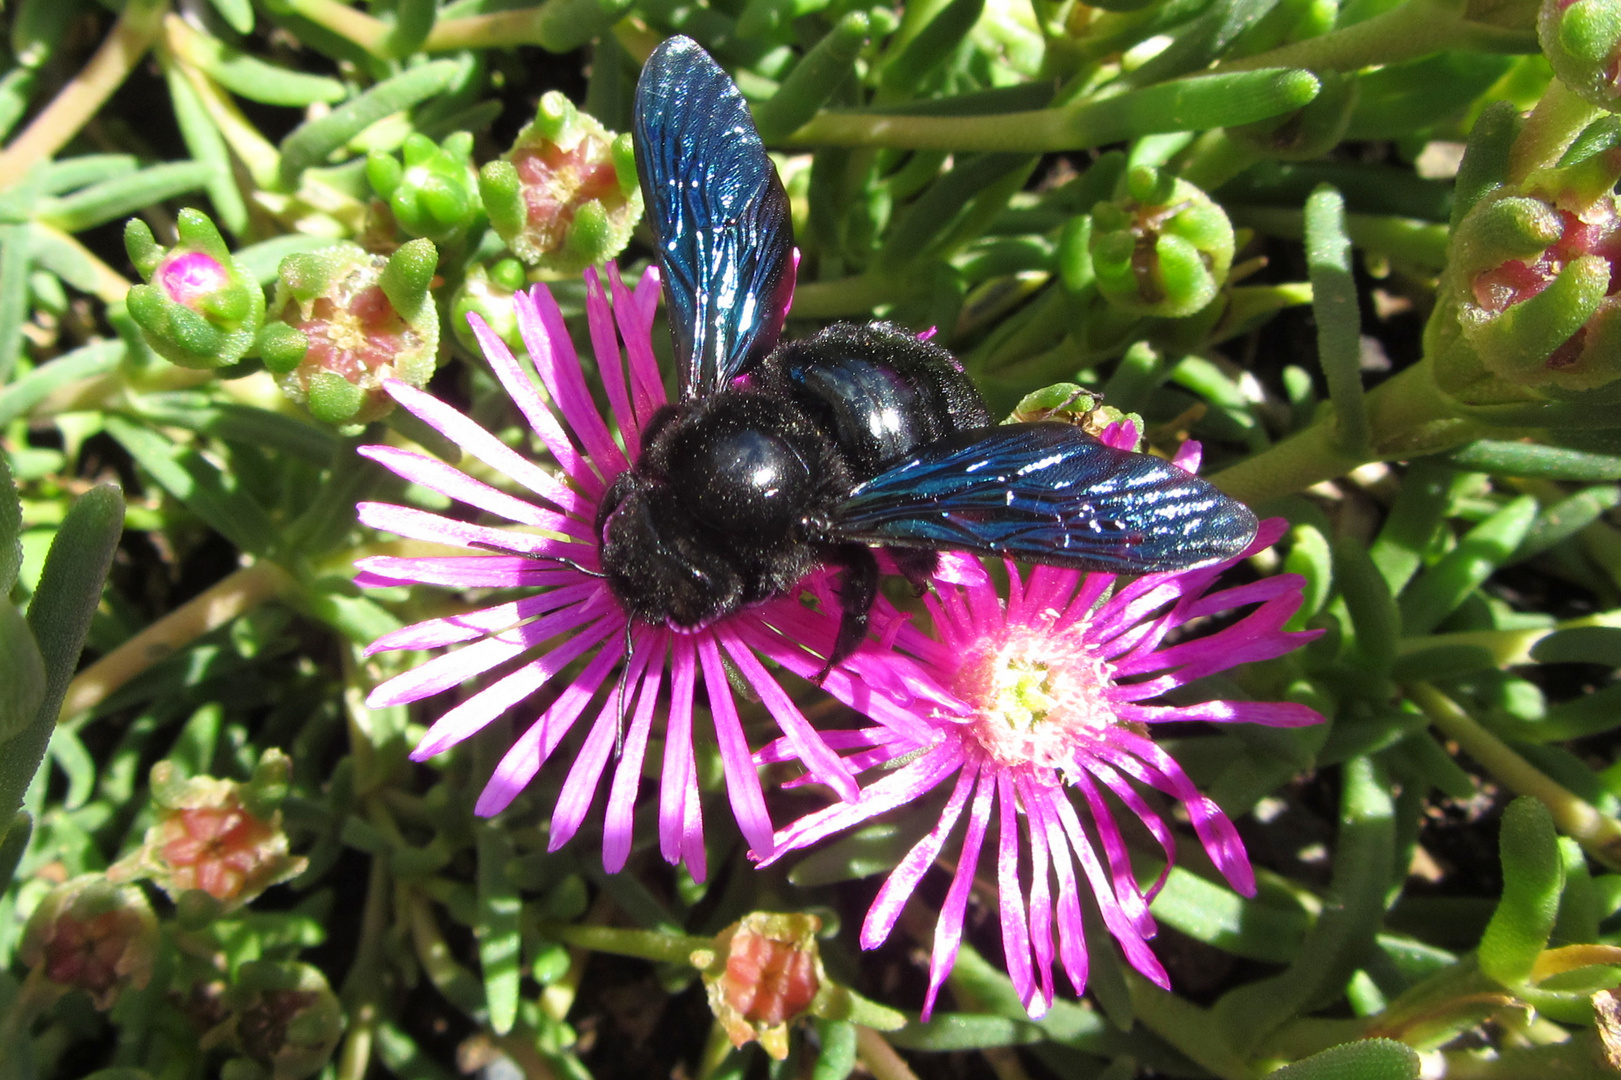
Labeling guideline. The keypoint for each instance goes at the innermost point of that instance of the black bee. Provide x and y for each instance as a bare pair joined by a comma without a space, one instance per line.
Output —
776,460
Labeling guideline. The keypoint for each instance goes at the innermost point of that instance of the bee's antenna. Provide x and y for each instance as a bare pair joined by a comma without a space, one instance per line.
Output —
624,686
570,563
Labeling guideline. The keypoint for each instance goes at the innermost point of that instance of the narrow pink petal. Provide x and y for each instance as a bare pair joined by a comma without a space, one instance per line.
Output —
782,749
742,781
434,633
1150,817
679,770
1010,895
1126,893
474,439
454,668
1071,926
1041,905
905,785
599,319
535,745
559,370
417,524
527,397
435,475
692,827
580,786
467,571
903,880
1093,586
948,929
1270,713
647,660
817,756
635,316
1189,456
1014,604
1131,941
1049,589
1217,834
483,707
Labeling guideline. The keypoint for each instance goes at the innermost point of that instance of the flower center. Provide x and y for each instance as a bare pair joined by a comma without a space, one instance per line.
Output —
1038,694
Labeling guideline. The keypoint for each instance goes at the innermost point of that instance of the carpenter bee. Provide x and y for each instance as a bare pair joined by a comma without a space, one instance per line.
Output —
775,460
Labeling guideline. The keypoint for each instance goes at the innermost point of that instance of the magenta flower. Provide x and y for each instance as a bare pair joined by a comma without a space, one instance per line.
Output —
567,613
1054,690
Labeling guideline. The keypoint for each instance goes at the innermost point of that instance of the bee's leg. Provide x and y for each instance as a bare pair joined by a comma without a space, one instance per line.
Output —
917,565
858,588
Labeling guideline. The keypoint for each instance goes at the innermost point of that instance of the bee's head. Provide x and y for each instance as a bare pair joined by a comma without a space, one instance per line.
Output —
656,560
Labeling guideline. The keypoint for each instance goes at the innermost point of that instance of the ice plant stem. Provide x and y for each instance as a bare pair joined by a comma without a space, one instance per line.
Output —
1408,415
1186,1026
240,592
133,34
644,944
1416,28
1597,833
1507,646
257,154
109,285
365,31
880,1058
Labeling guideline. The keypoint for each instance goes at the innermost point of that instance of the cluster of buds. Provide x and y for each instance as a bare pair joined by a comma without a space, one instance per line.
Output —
565,196
219,838
199,308
1582,41
92,935
284,1021
433,193
344,320
1161,247
1529,299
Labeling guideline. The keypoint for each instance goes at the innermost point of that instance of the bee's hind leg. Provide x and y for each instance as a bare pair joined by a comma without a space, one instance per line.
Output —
858,588
917,566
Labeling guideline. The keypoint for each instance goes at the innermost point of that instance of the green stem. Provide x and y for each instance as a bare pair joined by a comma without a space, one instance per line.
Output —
1416,28
258,155
1408,415
1179,105
644,944
845,296
1508,647
83,97
365,31
880,1058
1597,833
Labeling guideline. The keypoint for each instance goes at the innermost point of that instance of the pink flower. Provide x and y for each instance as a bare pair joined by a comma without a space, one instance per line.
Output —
1051,691
567,613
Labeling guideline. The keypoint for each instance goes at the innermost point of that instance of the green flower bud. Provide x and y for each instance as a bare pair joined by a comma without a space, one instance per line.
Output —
284,1018
345,320
200,307
218,837
1530,290
489,295
434,193
1582,40
94,936
1162,247
565,196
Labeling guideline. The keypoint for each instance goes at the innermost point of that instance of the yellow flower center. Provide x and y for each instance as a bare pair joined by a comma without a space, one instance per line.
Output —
1038,694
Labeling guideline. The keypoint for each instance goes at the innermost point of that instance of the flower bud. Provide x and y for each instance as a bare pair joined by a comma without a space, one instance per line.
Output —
200,307
565,196
489,295
1071,404
764,973
217,837
94,936
1582,40
1531,282
1162,247
344,320
434,193
284,1017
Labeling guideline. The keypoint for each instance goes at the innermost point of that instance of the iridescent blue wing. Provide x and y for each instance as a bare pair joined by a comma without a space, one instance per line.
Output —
1048,493
719,216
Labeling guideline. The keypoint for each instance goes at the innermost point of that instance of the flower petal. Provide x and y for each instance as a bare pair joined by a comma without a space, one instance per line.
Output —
948,929
742,781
